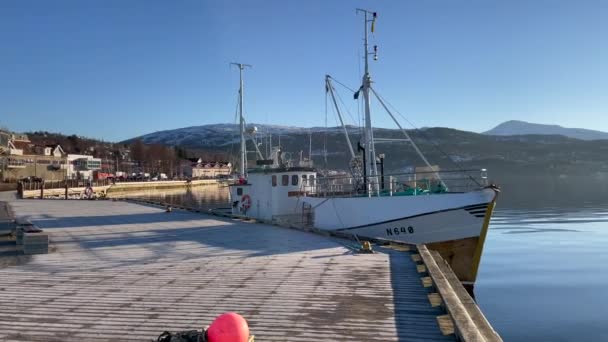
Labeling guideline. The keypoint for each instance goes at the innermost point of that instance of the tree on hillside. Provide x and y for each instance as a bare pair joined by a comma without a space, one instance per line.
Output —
138,151
74,143
180,152
155,152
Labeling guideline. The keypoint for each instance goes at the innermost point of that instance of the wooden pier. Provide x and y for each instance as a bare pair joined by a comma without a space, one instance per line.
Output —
123,271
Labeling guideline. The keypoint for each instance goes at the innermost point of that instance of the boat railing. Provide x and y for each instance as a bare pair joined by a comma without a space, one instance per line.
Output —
402,184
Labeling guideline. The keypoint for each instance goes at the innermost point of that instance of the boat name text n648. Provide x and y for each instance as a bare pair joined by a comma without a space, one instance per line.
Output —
400,230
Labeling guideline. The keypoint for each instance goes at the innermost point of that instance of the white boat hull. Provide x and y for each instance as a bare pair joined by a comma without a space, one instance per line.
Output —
413,219
453,224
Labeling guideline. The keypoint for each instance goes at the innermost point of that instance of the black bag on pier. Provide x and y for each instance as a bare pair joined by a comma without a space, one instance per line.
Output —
182,336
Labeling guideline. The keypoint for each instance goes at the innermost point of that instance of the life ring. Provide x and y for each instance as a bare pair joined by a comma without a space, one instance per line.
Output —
245,202
88,192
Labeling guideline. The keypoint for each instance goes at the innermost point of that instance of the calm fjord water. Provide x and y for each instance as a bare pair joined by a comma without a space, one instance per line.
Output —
544,271
544,274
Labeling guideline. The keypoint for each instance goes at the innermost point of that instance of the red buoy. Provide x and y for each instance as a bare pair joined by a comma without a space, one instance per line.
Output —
228,327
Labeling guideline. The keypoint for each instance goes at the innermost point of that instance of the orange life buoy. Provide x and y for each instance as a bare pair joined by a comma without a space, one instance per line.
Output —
246,202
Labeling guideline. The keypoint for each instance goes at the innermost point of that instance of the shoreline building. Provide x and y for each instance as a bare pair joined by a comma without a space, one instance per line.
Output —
82,166
198,168
21,159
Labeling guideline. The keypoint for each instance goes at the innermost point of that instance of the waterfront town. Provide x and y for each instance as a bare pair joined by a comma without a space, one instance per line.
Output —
23,158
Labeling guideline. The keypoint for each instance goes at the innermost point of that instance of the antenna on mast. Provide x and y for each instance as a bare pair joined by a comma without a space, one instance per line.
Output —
243,168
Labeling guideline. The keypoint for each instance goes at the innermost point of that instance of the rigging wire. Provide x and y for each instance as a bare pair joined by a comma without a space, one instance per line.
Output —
359,121
361,118
345,107
336,115
325,135
426,136
236,117
359,62
359,108
342,84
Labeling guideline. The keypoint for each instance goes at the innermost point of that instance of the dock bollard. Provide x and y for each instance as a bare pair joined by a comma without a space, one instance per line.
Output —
366,247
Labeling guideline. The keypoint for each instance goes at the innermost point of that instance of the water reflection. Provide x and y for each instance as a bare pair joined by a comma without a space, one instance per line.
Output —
202,197
544,274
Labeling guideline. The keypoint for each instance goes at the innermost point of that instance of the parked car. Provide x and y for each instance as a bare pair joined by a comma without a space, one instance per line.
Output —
32,179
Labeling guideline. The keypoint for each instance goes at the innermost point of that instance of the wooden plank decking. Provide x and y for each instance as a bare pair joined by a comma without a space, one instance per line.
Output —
120,271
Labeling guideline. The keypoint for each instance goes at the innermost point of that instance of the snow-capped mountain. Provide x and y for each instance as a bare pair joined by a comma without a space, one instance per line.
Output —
218,135
516,127
509,154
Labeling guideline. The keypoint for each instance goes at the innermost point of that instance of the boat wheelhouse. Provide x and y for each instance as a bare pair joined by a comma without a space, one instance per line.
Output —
272,194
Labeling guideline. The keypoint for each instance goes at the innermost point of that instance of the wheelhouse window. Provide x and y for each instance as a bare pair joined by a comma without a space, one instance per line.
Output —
294,180
274,180
239,191
285,180
311,180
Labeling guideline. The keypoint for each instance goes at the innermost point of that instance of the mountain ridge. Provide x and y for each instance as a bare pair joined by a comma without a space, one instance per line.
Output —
533,154
518,127
223,134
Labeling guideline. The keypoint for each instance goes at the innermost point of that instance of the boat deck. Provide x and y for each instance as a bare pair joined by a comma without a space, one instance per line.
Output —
124,271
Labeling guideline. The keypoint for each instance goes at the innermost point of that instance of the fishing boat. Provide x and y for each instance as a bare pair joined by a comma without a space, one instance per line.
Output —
448,210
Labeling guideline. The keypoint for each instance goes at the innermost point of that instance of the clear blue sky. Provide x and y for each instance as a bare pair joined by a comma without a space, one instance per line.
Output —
117,69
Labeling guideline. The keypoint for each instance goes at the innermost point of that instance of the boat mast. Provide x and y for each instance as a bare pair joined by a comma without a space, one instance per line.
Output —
370,149
243,167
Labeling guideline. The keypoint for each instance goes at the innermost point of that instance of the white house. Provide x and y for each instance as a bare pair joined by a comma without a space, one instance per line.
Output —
197,168
82,166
